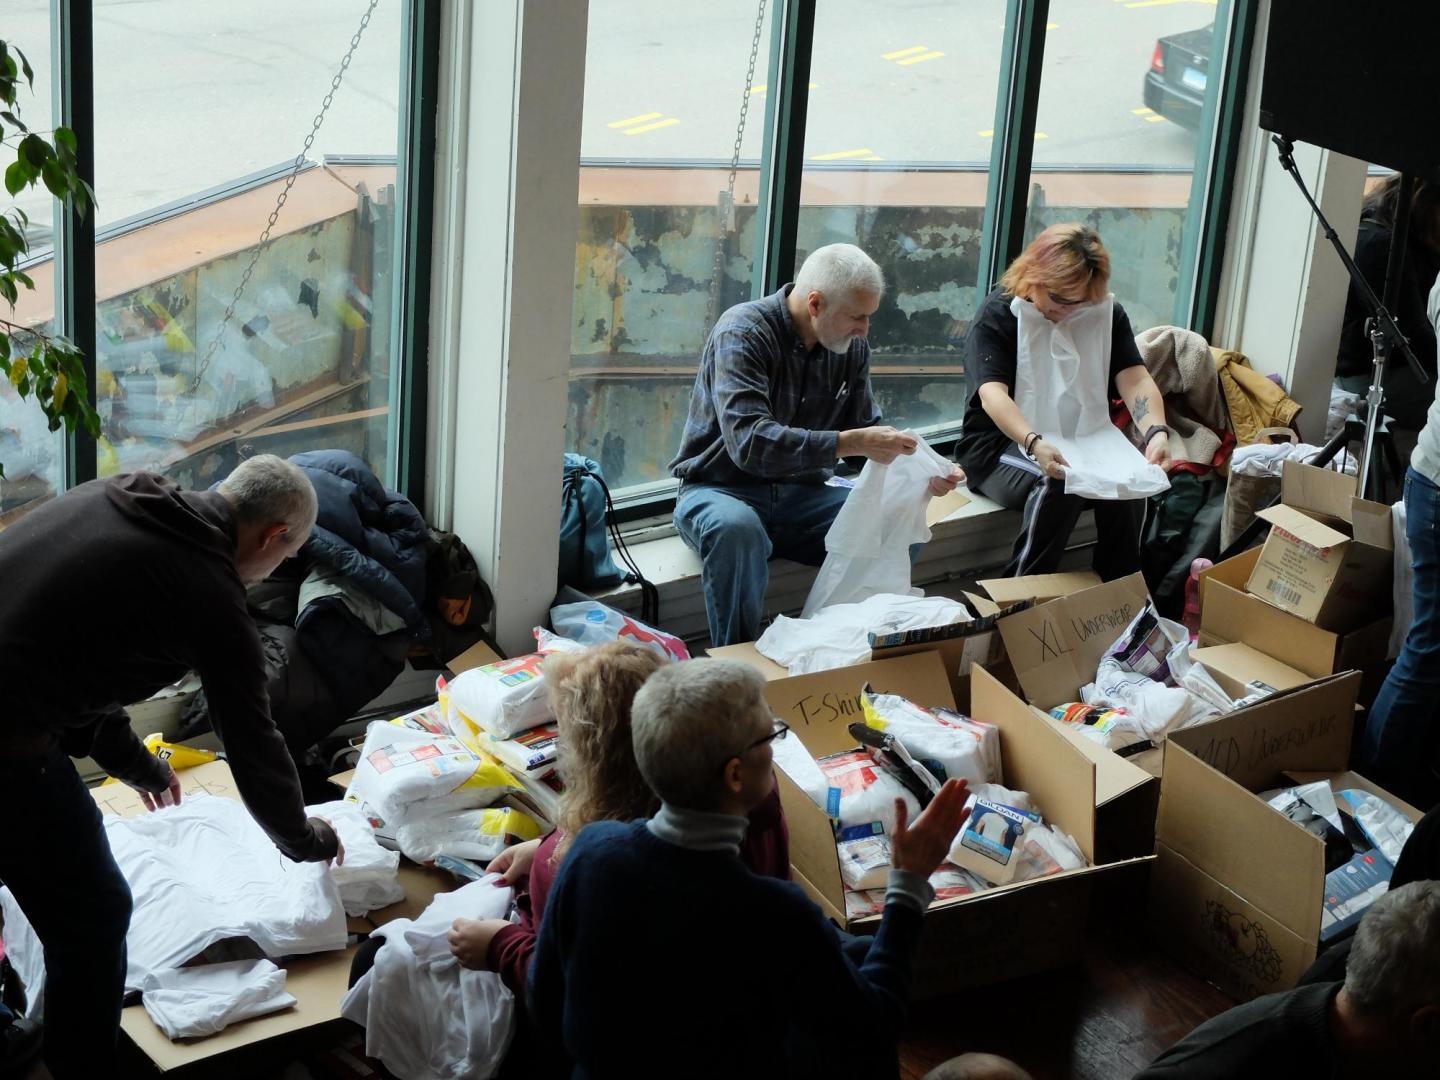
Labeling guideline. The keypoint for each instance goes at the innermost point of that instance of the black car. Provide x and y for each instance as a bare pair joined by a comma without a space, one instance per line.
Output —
1179,72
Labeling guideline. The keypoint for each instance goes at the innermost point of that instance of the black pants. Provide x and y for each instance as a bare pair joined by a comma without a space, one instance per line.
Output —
1048,518
56,861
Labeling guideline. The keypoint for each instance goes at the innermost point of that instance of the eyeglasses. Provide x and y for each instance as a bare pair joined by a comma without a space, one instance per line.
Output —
781,730
1062,301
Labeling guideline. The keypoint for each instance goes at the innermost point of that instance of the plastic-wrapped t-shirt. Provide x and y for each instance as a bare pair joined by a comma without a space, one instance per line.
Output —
962,748
187,1003
794,760
369,876
1386,827
479,835
861,792
424,1015
840,635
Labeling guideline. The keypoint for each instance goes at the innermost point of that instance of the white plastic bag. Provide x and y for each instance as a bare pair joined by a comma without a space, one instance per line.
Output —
839,635
1062,386
861,792
868,544
965,749
1387,828
368,878
479,835
403,774
791,758
503,698
592,623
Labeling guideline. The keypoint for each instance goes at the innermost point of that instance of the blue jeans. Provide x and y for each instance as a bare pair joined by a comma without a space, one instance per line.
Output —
737,529
1400,733
56,861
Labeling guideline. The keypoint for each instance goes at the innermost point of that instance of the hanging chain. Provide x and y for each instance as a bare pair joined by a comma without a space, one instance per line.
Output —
264,242
725,219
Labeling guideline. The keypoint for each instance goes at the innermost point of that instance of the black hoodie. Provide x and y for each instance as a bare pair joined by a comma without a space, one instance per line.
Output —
114,591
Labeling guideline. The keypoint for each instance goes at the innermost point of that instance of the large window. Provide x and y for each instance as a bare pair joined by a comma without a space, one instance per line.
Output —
1120,137
29,451
897,151
212,344
901,140
663,246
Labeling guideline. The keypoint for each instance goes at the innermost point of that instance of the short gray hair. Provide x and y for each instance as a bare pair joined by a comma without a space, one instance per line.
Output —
688,720
1394,965
839,271
269,490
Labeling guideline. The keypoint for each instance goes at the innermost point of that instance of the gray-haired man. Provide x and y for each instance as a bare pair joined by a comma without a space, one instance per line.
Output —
1383,1020
661,955
113,591
782,393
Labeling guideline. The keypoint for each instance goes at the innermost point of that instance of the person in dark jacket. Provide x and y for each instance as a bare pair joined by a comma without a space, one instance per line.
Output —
1405,399
113,591
738,974
1383,1020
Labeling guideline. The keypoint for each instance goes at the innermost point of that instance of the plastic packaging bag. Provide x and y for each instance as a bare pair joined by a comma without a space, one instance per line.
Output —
1384,826
868,545
795,761
592,623
403,774
367,879
480,835
992,839
864,862
1046,851
951,745
504,698
861,792
1312,807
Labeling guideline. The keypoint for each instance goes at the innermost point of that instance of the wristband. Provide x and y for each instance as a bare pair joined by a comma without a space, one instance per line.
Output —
1153,430
1031,439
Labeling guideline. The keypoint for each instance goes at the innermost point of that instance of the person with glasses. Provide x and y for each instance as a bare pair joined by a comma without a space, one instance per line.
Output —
1064,271
662,954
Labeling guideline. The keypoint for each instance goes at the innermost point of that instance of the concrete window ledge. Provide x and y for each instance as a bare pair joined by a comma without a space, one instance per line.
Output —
972,542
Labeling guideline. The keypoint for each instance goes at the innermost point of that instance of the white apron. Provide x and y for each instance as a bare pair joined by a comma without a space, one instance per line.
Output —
1062,380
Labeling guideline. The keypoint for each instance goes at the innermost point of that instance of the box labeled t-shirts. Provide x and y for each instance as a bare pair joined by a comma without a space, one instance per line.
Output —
970,938
1329,556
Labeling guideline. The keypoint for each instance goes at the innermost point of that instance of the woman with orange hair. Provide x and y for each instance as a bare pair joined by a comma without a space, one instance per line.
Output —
1045,353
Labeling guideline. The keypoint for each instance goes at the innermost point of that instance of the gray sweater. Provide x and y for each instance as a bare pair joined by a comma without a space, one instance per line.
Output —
1426,457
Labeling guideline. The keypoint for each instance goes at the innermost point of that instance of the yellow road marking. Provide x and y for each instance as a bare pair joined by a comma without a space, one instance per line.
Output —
1154,119
628,121
1052,26
758,89
904,52
920,59
1041,135
1144,110
864,151
873,157
651,127
986,134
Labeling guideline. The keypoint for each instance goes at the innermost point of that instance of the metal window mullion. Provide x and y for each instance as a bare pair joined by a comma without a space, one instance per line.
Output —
1214,221
1013,142
409,396
73,54
782,165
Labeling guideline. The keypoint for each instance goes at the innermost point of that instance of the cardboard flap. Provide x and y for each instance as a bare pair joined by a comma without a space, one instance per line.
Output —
1242,664
1307,728
1114,775
478,655
1320,491
983,606
1303,527
1227,832
1038,759
941,507
1229,614
1038,587
1056,647
821,706
747,653
812,841
1371,524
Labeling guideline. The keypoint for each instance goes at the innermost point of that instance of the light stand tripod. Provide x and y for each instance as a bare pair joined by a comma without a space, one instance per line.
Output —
1384,334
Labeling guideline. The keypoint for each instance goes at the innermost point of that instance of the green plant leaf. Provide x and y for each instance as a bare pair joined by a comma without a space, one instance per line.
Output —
17,177
26,68
56,178
66,138
13,120
36,151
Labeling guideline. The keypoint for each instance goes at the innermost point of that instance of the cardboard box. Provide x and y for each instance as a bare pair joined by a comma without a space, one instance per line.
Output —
1054,649
1237,888
318,981
1230,614
1329,556
1038,587
991,936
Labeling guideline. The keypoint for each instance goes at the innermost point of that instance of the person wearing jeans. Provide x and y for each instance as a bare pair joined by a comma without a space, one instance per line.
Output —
782,392
1400,744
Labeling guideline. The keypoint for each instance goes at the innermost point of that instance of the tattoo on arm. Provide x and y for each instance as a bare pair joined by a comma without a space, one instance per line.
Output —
1140,409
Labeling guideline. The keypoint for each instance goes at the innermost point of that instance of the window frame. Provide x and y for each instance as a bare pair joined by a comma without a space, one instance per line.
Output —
73,57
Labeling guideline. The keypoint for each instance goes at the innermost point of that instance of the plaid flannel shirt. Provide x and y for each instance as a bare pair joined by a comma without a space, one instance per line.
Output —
764,408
